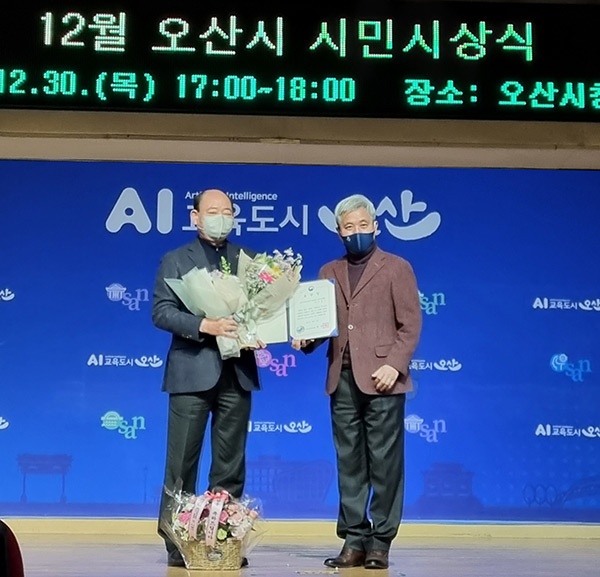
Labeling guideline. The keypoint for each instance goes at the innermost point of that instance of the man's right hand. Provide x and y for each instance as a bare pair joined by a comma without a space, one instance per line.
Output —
223,327
298,344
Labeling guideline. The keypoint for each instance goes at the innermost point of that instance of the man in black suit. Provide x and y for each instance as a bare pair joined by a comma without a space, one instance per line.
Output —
200,384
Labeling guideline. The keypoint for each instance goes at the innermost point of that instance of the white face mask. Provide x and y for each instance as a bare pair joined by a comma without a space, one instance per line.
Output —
217,226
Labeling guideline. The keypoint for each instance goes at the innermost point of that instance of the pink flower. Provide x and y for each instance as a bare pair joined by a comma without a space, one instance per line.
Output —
184,517
224,517
265,276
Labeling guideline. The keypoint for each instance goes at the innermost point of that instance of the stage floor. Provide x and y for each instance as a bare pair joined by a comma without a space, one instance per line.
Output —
143,556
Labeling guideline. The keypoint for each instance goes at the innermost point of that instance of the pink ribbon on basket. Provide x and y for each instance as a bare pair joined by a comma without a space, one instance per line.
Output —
196,513
217,503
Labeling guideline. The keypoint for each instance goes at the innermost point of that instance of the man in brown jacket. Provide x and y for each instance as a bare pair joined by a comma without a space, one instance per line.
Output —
379,320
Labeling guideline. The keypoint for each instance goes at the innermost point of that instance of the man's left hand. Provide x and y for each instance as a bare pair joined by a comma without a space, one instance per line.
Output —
385,378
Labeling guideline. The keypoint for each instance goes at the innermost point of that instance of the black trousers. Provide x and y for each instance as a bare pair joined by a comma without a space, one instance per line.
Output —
227,405
368,433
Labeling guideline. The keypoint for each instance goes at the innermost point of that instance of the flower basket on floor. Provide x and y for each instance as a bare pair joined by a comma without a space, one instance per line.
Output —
224,556
212,531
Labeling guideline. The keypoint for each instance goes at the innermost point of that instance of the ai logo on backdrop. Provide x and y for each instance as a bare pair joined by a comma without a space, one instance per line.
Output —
416,425
102,360
117,293
6,295
129,210
548,430
3,424
113,421
545,303
411,220
575,371
265,359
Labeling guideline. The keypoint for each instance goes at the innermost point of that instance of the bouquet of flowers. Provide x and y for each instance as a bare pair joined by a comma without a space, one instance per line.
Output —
261,287
268,282
207,524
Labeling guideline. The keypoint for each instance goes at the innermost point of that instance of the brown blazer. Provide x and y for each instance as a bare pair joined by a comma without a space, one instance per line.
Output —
381,320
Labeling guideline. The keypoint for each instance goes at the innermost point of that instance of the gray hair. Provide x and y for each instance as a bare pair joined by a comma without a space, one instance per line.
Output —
352,203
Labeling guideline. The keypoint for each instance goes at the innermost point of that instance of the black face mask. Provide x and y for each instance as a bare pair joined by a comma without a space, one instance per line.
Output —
359,243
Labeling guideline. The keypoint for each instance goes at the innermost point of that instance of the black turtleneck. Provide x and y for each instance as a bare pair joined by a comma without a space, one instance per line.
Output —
357,265
213,253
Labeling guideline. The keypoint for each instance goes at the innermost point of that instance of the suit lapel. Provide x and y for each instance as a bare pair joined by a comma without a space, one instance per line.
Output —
197,254
233,255
374,265
340,270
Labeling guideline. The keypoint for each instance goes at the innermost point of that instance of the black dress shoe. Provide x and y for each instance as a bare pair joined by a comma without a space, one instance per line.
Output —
174,559
244,562
347,558
377,559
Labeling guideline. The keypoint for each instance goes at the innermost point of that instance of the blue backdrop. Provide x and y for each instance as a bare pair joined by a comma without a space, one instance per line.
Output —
504,424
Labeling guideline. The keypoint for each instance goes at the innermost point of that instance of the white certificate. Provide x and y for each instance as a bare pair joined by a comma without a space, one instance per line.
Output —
312,310
274,329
